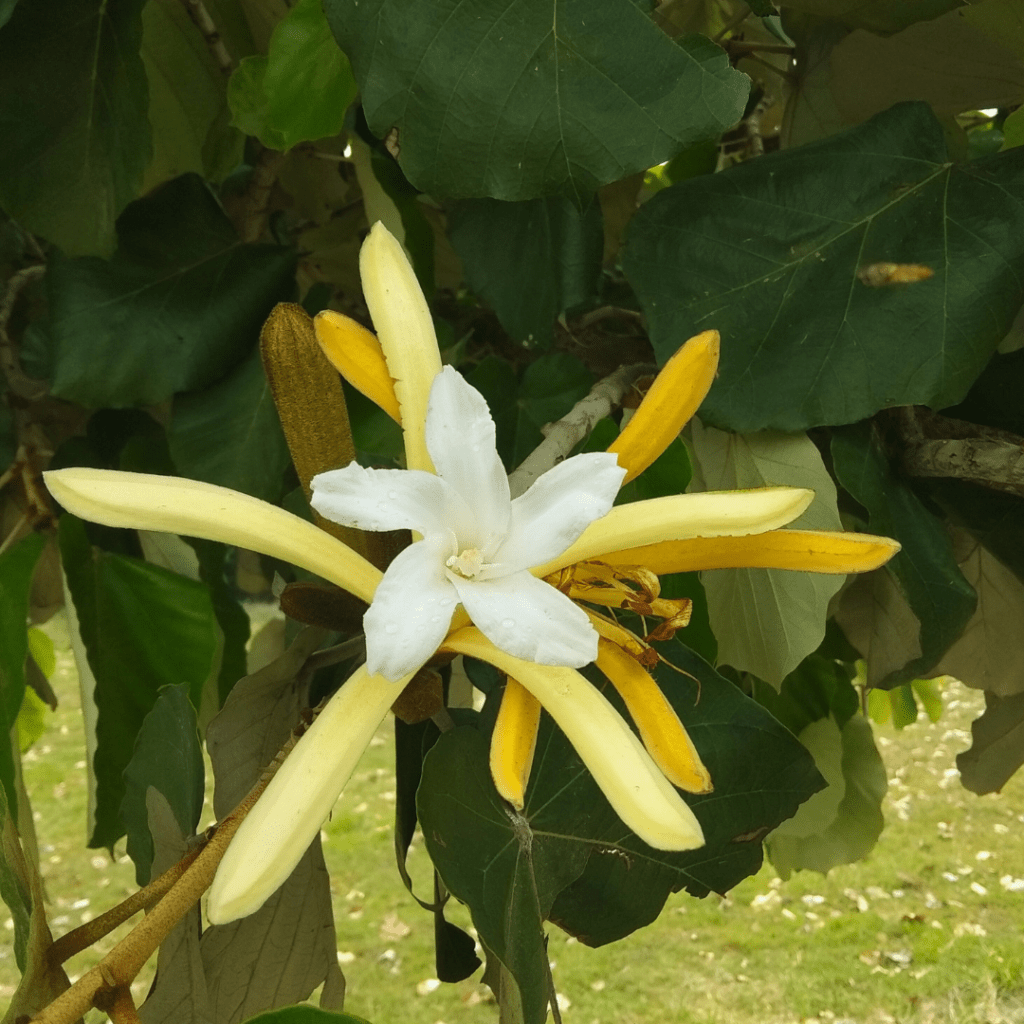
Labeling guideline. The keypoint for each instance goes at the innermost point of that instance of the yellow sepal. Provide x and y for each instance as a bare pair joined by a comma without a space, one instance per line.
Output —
513,742
668,406
356,354
664,736
803,550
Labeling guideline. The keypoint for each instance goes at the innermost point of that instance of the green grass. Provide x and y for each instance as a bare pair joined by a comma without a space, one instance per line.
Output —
902,936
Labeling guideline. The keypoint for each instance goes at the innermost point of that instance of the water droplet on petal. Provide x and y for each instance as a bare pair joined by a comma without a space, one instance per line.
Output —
393,495
508,623
391,629
435,618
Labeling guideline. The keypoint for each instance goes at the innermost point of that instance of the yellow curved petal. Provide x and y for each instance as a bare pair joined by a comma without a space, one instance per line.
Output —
169,504
285,819
641,796
682,516
406,331
669,405
356,354
514,741
663,734
804,550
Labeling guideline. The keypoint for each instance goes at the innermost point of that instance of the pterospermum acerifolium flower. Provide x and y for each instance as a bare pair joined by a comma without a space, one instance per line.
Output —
511,580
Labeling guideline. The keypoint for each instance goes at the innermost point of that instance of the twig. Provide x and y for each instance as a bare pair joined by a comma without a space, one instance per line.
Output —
122,964
19,382
201,19
561,437
121,1008
83,937
603,313
940,446
253,217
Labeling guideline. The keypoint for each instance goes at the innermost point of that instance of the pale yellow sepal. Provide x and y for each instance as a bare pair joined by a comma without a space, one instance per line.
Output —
406,332
803,550
514,741
671,402
171,504
663,734
682,516
633,784
286,818
357,355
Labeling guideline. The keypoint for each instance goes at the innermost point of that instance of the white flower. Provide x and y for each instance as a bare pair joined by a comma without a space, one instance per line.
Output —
477,546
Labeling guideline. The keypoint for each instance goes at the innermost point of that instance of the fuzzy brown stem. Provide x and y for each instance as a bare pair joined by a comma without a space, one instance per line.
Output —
83,937
257,199
122,964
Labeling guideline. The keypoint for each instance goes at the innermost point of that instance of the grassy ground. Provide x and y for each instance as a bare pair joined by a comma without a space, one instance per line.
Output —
929,929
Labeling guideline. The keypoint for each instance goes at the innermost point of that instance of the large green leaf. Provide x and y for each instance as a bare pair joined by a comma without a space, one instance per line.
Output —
926,569
491,859
767,620
769,251
17,566
529,261
525,99
176,307
305,1015
143,628
168,757
73,119
230,434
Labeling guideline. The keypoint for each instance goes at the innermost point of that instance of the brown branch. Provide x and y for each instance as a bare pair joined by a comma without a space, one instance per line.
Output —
253,215
19,382
122,964
561,437
940,446
201,19
73,942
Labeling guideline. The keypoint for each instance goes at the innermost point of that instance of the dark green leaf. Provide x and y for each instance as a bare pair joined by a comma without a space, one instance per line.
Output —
768,252
143,628
305,1015
169,757
926,569
308,82
73,117
761,774
377,437
230,435
521,100
762,8
529,261
176,307
506,869
6,10
17,566
818,688
994,398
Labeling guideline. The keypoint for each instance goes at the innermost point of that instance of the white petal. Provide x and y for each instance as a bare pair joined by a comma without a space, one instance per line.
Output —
168,504
558,508
461,442
411,610
641,796
682,516
389,499
530,619
283,822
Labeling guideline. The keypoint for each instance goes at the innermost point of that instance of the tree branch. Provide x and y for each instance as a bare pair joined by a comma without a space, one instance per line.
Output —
19,382
562,436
